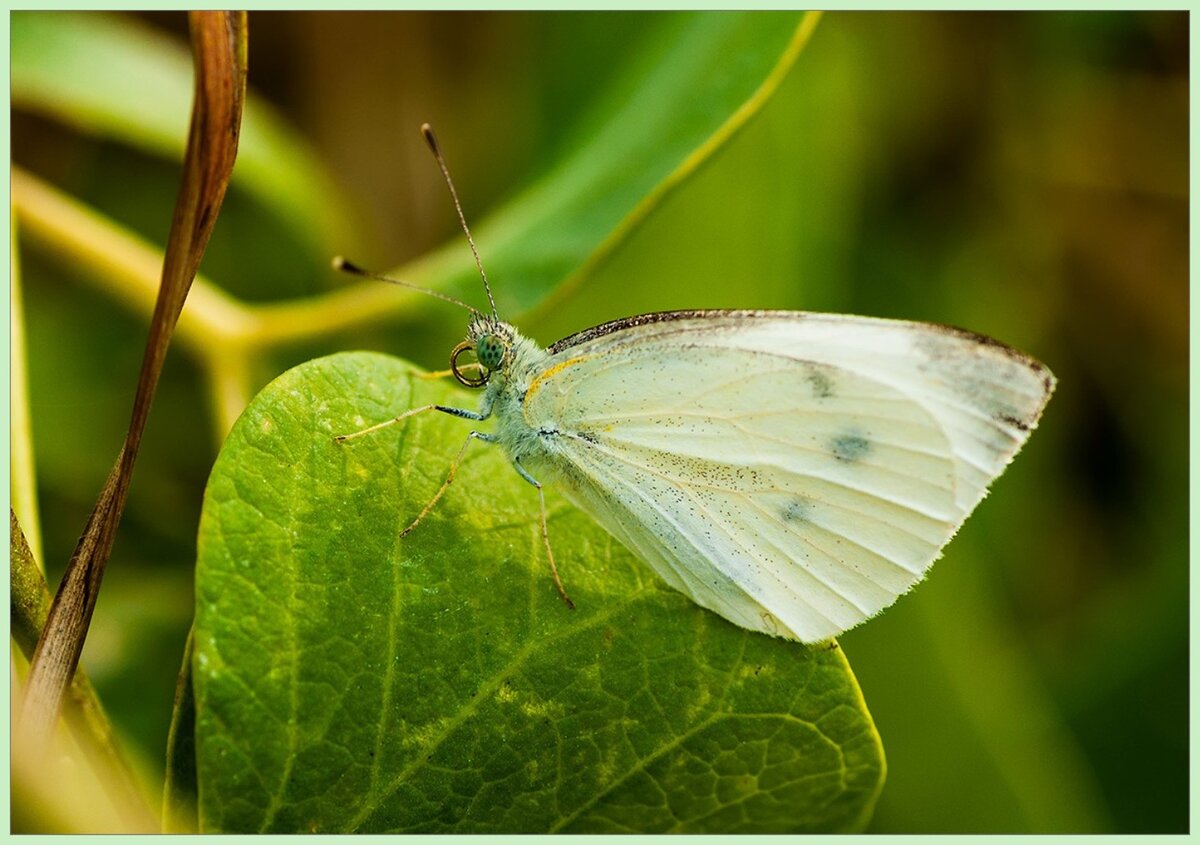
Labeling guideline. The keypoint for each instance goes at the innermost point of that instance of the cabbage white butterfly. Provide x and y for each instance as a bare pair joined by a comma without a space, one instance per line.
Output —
793,472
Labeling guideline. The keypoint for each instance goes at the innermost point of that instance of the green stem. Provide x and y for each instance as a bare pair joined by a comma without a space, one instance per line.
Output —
128,268
123,265
230,389
22,478
220,330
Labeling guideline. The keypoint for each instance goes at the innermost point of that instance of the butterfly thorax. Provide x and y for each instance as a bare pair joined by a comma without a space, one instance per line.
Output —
511,362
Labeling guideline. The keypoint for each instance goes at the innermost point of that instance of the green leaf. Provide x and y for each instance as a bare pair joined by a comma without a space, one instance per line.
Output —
109,76
696,81
350,680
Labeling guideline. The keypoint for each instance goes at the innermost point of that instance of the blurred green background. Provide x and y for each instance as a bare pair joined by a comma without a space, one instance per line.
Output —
1023,175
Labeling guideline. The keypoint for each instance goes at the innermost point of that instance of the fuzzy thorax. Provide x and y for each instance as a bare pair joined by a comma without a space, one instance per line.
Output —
520,362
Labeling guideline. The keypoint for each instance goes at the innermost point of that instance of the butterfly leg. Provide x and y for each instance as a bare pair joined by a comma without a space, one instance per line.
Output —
456,412
436,374
486,438
545,532
431,375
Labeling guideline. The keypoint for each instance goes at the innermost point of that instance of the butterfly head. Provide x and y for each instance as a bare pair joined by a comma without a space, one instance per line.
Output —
491,341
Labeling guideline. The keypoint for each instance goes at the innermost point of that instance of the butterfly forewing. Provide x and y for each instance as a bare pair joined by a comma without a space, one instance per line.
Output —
793,472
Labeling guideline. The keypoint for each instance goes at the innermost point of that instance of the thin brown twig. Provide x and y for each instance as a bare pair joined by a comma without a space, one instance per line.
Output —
219,48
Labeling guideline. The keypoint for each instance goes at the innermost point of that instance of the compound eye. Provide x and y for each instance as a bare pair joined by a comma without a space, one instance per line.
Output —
490,350
480,377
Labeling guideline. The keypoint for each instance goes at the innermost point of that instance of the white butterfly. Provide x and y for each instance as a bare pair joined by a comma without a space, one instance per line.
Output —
793,472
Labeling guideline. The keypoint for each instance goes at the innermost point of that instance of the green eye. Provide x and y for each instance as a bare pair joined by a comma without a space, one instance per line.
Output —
490,350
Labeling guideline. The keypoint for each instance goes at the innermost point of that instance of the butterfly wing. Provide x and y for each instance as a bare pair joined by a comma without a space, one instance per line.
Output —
793,472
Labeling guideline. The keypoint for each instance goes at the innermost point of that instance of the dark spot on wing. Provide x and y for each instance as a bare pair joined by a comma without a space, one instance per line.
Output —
849,448
797,510
588,436
820,382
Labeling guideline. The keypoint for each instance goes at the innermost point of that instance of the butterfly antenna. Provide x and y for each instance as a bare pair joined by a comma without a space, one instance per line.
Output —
344,266
427,131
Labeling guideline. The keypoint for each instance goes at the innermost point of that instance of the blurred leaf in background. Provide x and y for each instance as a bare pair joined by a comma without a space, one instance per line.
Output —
1023,175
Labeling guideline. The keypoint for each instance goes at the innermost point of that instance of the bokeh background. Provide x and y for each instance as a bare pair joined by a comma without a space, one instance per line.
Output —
1024,175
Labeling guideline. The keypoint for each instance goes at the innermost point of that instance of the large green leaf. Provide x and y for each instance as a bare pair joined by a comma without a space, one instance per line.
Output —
348,679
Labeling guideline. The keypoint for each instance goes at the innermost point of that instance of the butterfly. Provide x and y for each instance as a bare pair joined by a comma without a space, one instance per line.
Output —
793,472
